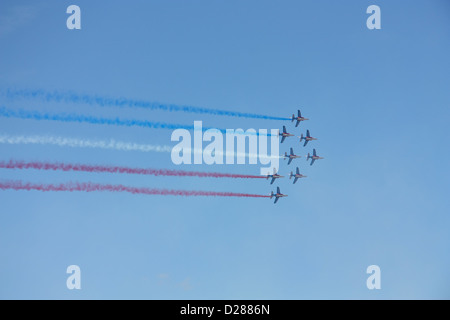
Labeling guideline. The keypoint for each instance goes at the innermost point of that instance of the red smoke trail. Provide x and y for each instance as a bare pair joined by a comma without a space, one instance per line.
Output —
91,187
14,164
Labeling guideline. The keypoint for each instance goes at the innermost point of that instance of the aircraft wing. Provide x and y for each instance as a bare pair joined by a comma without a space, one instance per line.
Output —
312,161
278,190
299,113
295,180
297,123
276,199
307,133
306,142
282,139
284,129
314,152
273,179
290,160
292,151
297,171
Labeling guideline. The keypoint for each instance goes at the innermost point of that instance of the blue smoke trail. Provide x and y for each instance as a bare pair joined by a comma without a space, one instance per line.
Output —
35,115
123,102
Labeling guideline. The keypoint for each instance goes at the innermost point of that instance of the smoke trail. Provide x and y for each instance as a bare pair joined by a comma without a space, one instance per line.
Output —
91,187
83,143
105,144
14,164
35,115
71,97
63,117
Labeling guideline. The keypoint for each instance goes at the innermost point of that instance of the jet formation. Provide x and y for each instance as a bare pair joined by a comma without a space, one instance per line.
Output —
291,156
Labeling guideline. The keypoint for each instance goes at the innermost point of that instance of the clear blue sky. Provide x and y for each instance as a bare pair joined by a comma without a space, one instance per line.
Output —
378,102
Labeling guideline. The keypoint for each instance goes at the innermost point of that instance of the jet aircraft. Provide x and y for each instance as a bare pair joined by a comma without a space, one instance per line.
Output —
307,138
274,176
284,134
277,195
297,175
299,118
314,157
291,156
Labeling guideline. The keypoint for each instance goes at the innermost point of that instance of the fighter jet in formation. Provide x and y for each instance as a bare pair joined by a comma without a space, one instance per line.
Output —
299,118
297,175
290,156
314,157
284,134
307,138
277,195
274,176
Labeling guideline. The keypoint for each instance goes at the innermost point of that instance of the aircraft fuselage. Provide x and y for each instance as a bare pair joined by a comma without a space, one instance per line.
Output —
274,176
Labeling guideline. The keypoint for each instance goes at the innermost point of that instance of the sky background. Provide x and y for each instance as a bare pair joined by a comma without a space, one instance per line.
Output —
378,101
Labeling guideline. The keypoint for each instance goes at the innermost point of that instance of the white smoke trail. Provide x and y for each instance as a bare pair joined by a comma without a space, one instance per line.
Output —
83,143
98,144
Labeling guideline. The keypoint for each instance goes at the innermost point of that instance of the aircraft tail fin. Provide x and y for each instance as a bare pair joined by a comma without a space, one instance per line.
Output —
291,175
293,118
301,137
271,194
309,156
